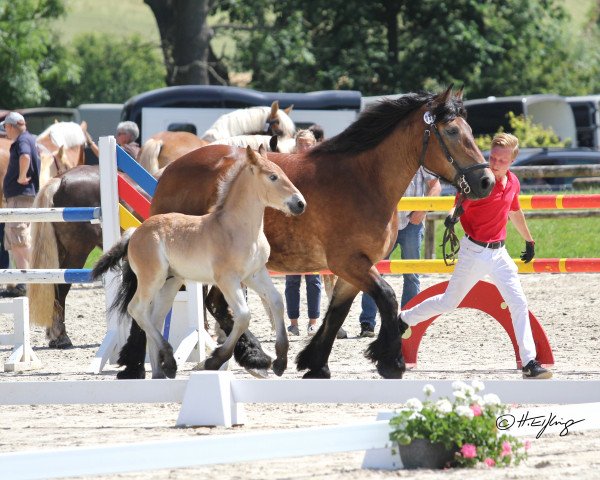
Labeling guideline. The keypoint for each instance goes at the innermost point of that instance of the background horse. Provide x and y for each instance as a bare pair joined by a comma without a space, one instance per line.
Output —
164,147
62,245
70,136
226,247
353,183
253,120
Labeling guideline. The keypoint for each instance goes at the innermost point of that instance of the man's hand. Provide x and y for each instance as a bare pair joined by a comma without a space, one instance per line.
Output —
529,252
24,181
416,217
450,221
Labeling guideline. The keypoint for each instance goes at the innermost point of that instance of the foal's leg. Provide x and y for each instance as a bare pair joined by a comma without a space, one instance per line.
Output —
234,295
163,302
262,284
315,355
248,352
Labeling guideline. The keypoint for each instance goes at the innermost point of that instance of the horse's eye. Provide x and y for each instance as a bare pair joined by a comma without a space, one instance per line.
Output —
452,131
273,177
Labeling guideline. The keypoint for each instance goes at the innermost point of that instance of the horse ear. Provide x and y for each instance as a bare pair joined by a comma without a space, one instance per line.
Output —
443,97
262,151
459,93
288,109
83,125
274,107
273,143
251,156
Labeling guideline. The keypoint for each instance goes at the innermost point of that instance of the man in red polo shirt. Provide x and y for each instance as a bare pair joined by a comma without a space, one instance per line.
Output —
482,253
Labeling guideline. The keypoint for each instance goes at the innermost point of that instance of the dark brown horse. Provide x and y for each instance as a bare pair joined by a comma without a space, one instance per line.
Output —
353,183
62,245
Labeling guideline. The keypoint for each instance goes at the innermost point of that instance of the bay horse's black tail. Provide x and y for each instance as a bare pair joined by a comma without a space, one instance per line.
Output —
114,260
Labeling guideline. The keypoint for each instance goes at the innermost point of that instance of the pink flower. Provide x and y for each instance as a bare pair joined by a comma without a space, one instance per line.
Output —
476,409
527,445
506,449
469,450
489,462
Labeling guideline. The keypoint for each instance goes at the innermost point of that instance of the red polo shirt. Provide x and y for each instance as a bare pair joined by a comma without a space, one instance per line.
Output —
485,220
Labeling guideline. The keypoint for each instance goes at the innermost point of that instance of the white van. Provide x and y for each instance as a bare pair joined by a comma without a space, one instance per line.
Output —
487,115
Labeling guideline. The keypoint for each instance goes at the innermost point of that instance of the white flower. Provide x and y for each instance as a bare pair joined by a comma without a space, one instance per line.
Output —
477,399
459,385
443,405
416,416
491,399
414,404
478,385
428,389
460,394
469,391
464,411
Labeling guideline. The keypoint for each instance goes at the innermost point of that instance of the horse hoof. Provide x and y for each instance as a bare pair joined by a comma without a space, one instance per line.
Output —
61,343
132,373
279,366
322,372
395,370
261,373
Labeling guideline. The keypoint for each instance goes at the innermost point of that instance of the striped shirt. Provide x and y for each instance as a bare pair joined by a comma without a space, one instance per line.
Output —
418,187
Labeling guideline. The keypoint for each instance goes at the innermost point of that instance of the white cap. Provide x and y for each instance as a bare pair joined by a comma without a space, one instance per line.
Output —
13,118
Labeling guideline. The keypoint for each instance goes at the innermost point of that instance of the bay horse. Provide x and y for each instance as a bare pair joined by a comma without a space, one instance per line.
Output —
226,247
62,245
353,183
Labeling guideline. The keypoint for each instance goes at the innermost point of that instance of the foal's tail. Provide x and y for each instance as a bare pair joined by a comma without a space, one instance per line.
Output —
114,260
44,254
148,156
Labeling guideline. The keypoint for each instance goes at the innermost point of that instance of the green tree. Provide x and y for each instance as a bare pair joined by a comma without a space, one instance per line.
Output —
112,69
26,44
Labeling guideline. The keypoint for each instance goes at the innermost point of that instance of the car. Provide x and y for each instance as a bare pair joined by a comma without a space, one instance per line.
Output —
541,157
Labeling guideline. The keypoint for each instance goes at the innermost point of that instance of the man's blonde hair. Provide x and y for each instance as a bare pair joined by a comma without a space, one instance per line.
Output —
506,140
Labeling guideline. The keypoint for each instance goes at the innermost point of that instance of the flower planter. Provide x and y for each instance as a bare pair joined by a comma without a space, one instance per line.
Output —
421,453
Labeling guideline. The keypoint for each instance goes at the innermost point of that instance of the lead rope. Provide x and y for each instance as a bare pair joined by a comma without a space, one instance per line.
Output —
450,243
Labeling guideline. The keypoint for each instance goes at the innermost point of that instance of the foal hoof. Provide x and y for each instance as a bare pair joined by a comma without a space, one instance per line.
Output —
393,370
61,342
132,373
322,372
279,366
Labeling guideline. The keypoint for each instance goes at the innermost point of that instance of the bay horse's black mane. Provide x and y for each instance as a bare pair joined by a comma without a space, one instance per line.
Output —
377,122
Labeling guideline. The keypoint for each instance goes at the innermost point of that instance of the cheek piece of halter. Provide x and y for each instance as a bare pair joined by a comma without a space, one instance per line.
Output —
268,128
450,244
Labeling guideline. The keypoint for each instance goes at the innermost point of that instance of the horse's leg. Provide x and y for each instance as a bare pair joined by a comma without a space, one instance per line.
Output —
163,302
386,350
262,284
315,355
248,352
133,354
236,300
57,333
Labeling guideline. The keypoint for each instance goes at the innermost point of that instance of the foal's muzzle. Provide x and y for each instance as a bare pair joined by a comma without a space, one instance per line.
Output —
296,204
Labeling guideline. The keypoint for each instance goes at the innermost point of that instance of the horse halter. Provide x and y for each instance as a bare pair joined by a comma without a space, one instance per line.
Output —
268,129
460,178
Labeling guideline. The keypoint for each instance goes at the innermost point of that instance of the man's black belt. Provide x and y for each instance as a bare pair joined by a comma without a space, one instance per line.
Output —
492,245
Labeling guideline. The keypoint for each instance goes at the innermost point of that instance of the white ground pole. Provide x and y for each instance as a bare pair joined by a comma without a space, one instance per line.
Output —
22,357
206,391
187,334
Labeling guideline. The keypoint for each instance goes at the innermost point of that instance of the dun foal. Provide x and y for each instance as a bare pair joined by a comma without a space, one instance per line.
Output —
226,247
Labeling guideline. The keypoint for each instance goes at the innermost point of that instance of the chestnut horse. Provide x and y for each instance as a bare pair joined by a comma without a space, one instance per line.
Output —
353,183
164,147
226,247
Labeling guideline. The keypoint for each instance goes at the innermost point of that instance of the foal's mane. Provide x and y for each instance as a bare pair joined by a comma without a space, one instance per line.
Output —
379,120
226,182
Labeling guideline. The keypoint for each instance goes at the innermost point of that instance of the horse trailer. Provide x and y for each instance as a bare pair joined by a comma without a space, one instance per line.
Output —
587,119
194,108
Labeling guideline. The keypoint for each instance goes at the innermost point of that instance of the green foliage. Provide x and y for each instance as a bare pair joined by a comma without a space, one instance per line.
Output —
26,50
112,69
529,134
467,424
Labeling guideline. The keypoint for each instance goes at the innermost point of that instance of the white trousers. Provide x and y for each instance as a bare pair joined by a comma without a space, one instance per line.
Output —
475,262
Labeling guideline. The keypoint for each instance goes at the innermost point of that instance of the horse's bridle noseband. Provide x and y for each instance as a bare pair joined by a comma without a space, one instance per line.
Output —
460,179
